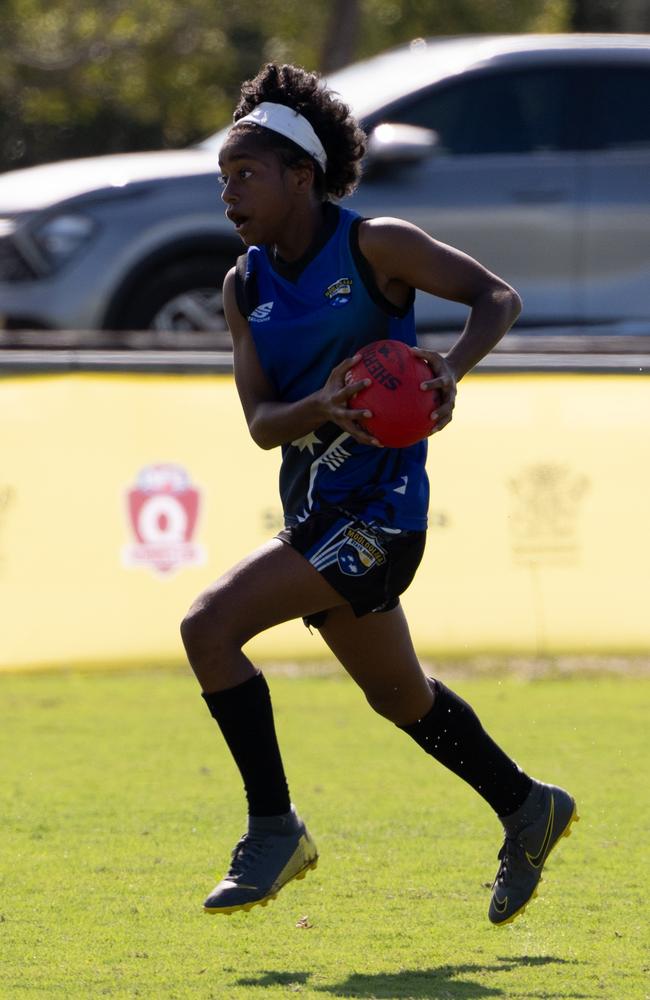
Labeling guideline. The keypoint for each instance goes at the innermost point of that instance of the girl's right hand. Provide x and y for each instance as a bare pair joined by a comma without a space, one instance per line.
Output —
334,397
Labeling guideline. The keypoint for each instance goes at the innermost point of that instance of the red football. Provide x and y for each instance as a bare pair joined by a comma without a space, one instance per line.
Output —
401,410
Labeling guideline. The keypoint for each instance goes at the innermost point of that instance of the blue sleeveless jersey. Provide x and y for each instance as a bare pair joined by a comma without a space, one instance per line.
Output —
301,330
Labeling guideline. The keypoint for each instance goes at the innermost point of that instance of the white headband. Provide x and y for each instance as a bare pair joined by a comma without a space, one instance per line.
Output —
289,123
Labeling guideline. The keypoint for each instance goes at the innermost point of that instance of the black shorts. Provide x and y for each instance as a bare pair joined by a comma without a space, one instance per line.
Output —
367,564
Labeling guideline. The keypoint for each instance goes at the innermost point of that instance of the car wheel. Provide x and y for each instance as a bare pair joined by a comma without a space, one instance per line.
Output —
184,297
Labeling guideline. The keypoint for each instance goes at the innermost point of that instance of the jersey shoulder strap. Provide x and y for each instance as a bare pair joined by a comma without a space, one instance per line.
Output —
368,278
246,292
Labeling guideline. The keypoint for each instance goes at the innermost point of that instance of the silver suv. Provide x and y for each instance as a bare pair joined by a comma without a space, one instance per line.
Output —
531,153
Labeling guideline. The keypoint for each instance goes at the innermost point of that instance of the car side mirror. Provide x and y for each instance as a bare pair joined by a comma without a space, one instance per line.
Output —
396,144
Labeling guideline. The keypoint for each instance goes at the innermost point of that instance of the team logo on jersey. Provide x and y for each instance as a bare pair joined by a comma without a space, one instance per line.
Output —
359,552
162,510
262,313
339,292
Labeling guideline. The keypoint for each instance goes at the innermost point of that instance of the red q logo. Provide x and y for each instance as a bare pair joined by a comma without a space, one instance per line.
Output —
163,510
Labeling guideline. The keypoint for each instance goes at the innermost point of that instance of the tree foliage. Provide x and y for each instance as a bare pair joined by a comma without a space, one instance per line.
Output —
97,77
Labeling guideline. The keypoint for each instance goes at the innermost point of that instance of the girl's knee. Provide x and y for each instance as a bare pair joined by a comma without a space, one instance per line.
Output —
213,642
402,706
384,703
202,626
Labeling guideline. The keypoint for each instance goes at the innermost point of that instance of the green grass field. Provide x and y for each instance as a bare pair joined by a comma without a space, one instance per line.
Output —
119,807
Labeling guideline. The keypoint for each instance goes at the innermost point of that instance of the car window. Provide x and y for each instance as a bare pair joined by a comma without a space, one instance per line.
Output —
618,99
512,112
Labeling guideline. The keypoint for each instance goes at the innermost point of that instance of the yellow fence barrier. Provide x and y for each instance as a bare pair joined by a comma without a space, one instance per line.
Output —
122,496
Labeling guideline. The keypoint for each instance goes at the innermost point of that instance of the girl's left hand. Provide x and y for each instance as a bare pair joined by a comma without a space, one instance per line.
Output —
444,383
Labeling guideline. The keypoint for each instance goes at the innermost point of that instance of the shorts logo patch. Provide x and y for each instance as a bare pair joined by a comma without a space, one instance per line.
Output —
339,292
359,553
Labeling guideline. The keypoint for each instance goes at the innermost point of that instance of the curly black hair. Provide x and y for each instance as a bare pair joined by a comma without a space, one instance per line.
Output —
342,138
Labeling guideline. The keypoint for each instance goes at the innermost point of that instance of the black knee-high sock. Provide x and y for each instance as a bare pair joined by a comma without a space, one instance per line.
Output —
451,732
245,717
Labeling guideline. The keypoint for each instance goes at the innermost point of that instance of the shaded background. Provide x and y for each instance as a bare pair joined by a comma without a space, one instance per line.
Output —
131,75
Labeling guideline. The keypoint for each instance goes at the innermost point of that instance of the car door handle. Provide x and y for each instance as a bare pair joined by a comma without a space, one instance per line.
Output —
540,196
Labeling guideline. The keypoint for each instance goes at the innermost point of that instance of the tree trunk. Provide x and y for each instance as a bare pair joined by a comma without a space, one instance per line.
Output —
342,35
611,15
634,15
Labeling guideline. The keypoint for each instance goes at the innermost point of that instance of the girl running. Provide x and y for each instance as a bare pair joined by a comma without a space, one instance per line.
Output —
316,284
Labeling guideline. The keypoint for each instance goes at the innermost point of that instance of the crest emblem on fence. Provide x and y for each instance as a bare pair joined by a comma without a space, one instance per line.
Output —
546,512
162,511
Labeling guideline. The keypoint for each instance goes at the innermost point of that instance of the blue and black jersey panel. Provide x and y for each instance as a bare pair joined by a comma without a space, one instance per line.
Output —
305,318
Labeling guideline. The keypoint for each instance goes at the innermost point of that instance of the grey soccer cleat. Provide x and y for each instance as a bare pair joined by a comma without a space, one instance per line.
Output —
275,850
531,834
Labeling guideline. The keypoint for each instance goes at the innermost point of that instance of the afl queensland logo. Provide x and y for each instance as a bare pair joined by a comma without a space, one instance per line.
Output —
162,509
359,553
339,292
